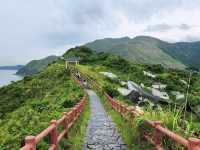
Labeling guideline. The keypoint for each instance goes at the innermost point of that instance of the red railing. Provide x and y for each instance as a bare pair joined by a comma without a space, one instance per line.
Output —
159,130
67,120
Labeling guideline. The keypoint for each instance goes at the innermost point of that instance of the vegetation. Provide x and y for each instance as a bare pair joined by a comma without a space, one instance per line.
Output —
94,62
172,115
76,136
35,66
129,131
149,50
27,106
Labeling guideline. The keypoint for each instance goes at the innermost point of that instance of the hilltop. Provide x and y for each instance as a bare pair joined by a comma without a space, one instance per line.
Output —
150,50
35,66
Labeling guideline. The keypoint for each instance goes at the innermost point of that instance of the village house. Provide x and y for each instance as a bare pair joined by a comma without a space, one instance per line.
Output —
149,74
159,86
178,95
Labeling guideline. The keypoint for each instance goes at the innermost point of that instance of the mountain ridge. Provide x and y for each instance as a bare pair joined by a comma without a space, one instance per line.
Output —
150,50
36,66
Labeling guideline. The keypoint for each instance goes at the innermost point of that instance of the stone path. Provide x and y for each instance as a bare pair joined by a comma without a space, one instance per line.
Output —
101,131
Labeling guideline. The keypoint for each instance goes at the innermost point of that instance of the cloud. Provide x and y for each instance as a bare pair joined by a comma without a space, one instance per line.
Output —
184,27
165,27
158,27
34,29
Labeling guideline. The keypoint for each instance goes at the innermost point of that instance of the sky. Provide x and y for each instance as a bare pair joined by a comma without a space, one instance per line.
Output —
33,29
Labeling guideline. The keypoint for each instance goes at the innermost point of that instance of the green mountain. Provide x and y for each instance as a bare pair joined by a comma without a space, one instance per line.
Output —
149,50
36,66
186,52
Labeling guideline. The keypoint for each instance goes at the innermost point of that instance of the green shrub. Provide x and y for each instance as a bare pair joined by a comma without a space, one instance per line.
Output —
111,91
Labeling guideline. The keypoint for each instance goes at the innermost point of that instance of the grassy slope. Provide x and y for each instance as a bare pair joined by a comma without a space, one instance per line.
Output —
28,105
36,66
186,52
140,49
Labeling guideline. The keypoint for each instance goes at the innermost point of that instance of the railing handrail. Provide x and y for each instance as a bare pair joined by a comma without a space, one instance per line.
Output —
68,119
190,143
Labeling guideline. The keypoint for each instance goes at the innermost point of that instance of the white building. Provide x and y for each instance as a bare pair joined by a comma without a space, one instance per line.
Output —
123,83
109,75
178,95
160,94
149,74
133,86
124,91
159,86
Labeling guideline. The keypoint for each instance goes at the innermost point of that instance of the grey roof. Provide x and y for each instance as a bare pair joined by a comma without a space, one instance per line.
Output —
73,59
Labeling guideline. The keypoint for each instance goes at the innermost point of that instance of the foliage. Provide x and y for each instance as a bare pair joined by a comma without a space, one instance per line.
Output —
27,106
111,90
36,66
171,115
147,50
76,136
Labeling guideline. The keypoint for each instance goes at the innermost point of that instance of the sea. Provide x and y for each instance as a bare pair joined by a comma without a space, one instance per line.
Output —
6,76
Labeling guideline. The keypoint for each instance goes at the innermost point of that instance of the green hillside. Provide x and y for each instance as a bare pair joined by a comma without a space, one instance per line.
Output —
36,66
27,106
149,50
186,52
174,115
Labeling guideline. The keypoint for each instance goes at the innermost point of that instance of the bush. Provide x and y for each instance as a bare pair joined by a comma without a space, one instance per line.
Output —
68,103
156,68
111,91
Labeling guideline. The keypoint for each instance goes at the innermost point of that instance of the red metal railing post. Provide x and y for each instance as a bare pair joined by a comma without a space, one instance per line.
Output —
194,144
65,123
157,135
74,113
120,109
53,134
30,140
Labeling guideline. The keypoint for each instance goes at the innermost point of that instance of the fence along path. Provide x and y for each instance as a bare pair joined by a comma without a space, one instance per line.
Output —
67,121
101,131
159,132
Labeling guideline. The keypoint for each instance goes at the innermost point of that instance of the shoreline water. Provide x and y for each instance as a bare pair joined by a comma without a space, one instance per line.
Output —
7,76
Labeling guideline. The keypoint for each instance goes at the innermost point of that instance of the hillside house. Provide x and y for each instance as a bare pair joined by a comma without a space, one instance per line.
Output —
149,74
109,75
133,86
162,95
178,95
159,86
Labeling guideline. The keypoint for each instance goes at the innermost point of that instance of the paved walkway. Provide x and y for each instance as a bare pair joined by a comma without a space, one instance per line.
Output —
101,131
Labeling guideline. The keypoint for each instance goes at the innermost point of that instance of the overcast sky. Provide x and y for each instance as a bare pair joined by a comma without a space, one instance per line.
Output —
32,29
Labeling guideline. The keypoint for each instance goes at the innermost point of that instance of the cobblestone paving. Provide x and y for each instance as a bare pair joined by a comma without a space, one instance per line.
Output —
101,131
